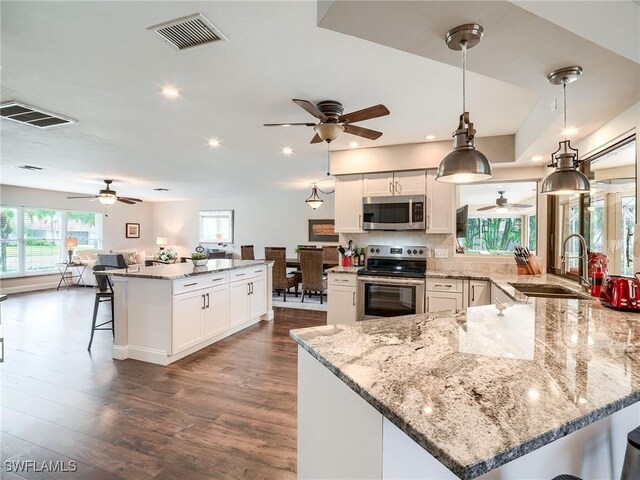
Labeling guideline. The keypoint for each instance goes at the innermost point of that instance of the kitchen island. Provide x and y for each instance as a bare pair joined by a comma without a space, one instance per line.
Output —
542,387
166,312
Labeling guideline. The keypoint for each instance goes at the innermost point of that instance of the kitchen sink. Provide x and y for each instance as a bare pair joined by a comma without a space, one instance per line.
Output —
548,291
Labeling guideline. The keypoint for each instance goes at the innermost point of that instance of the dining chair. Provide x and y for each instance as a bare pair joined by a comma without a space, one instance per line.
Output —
330,254
104,294
281,281
246,252
313,278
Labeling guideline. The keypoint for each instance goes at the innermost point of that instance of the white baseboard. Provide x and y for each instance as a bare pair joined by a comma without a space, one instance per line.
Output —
32,287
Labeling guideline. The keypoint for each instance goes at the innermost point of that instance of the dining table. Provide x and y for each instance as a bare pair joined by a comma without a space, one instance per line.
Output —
295,263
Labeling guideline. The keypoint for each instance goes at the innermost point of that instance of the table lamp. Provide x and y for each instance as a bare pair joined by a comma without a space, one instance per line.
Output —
71,242
161,242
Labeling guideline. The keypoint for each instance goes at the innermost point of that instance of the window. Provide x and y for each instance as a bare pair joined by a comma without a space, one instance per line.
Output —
494,218
216,226
32,239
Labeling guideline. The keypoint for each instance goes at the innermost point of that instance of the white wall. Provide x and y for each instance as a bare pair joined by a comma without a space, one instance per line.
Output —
272,218
114,226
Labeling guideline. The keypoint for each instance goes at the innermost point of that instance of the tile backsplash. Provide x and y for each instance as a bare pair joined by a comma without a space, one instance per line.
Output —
459,263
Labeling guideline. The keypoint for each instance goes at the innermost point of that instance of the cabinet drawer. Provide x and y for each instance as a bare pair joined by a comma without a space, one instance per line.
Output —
444,285
192,284
247,272
343,279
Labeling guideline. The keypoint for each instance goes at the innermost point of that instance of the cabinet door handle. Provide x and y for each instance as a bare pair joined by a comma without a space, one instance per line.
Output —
203,302
216,279
207,300
360,221
391,188
251,287
473,293
190,284
398,188
443,286
354,299
248,289
240,274
427,304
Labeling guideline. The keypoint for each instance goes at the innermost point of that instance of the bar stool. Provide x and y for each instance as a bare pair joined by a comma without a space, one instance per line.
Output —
631,465
104,294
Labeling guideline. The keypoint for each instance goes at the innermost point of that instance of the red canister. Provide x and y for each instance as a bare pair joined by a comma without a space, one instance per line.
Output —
596,281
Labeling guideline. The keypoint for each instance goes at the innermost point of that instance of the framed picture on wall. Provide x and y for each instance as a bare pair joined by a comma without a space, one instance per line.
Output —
322,231
132,230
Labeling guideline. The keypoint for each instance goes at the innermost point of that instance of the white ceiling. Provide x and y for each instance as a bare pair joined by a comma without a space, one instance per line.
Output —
96,62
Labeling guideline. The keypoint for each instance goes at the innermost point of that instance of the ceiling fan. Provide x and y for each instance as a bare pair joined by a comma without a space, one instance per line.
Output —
502,205
109,197
333,122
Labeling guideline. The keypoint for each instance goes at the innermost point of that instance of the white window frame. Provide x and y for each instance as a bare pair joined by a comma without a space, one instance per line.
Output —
20,240
216,213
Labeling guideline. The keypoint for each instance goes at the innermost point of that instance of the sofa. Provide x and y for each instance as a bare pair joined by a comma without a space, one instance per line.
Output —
90,258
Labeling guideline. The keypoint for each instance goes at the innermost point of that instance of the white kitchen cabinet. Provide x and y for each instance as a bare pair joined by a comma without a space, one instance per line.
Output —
247,297
348,204
216,313
394,183
479,293
342,298
238,303
186,327
378,185
440,217
409,183
440,301
258,297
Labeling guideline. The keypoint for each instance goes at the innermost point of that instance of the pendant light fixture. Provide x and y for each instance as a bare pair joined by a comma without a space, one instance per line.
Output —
566,179
464,164
314,201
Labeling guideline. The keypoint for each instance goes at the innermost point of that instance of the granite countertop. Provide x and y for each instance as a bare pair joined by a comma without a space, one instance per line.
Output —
347,270
476,389
174,271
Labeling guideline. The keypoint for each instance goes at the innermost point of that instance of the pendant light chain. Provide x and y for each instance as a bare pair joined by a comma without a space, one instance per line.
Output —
463,44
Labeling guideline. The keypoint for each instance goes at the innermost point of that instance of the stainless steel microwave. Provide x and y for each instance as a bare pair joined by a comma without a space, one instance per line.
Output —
398,212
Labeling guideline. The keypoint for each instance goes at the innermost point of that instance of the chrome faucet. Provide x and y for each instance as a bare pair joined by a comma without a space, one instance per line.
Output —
583,256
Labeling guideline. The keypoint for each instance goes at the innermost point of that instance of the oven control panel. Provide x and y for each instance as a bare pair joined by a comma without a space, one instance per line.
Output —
386,251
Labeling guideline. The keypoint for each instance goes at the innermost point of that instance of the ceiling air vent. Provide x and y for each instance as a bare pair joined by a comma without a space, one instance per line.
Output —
31,167
188,32
36,117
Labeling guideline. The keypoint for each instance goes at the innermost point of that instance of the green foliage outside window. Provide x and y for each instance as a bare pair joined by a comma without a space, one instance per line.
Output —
495,236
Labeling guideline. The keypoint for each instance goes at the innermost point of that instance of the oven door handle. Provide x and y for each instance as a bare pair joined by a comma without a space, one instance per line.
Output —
393,282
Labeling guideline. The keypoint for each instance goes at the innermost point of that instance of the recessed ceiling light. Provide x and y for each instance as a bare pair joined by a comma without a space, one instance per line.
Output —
287,150
430,137
570,131
537,158
214,142
354,144
170,92
161,189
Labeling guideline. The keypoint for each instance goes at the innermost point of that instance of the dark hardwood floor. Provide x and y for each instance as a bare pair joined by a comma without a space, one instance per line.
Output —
226,412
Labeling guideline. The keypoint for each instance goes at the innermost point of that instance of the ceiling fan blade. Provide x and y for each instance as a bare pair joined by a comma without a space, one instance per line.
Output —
311,108
289,124
519,205
90,196
124,200
316,139
490,207
365,114
362,132
130,199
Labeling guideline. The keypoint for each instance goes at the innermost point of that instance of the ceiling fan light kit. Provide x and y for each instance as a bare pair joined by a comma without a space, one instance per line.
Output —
567,178
464,164
109,197
328,132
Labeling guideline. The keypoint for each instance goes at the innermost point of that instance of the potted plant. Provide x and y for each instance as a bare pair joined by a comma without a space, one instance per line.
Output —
199,259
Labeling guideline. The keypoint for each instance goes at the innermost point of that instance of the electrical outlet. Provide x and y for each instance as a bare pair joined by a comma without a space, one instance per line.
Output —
441,253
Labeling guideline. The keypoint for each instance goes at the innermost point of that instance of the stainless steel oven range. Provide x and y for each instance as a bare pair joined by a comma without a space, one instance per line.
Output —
392,282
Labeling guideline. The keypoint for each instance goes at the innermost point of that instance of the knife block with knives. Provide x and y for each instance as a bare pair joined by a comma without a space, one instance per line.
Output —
527,264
